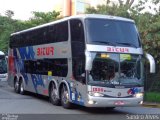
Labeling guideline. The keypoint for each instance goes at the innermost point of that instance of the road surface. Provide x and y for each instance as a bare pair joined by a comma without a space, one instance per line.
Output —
31,105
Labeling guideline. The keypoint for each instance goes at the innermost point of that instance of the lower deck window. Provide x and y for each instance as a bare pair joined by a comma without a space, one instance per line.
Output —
58,67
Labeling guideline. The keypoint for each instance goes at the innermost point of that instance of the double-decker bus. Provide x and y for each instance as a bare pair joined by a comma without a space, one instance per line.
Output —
3,67
89,60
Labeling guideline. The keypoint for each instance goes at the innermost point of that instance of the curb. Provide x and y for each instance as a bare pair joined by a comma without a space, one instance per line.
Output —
152,105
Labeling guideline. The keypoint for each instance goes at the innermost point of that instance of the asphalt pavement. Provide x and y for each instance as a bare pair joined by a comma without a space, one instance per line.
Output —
35,107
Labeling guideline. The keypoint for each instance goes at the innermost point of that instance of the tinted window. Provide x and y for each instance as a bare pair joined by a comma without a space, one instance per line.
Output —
77,38
77,31
49,34
61,31
102,31
78,65
58,67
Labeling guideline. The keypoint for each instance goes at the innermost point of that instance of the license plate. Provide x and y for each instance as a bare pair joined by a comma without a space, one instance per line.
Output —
119,102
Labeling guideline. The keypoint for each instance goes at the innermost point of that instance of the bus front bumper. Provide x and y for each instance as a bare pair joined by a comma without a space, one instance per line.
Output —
113,102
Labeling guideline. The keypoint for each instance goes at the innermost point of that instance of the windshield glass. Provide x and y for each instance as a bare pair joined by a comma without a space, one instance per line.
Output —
116,69
112,32
3,65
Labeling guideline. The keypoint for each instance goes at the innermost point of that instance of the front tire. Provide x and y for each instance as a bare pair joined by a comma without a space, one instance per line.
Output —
65,98
53,93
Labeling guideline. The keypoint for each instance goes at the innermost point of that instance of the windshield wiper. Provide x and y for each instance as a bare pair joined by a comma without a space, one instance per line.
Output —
105,42
127,44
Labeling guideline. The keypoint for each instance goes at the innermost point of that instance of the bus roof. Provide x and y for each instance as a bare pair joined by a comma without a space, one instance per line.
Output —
83,16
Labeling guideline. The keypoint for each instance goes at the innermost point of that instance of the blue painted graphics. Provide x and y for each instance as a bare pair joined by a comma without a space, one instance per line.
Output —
37,80
133,91
19,64
76,96
27,52
25,78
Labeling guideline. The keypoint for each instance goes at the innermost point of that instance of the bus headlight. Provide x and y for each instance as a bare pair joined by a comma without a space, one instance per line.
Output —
96,94
138,95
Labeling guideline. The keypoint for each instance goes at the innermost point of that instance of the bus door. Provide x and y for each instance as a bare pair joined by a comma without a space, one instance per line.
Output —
78,60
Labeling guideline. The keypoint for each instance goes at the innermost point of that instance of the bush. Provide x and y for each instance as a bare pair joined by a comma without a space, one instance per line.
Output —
152,97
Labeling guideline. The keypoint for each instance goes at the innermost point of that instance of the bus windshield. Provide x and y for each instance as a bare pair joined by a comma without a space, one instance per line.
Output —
112,32
3,65
116,69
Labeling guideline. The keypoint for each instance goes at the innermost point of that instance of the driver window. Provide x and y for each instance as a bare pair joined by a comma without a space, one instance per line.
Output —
78,68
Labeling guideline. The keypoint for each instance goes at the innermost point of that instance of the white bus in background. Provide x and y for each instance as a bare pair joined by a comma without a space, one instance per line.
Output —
3,67
89,60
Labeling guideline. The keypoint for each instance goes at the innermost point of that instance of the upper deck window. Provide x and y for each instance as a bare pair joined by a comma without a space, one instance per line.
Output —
77,38
49,34
112,32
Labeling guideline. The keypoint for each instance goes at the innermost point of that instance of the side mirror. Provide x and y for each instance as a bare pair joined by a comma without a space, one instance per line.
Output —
151,62
88,61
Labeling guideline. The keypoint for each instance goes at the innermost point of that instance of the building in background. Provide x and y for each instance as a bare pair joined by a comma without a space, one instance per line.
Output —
74,7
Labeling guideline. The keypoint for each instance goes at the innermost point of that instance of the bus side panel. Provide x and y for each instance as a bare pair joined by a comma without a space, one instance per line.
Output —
36,83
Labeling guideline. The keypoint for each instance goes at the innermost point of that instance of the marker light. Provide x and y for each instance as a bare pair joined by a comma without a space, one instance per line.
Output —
103,55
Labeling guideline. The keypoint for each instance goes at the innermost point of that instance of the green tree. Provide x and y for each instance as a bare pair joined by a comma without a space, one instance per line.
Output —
109,8
8,26
42,17
9,13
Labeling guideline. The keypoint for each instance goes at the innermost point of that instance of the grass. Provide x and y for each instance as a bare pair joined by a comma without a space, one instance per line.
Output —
152,97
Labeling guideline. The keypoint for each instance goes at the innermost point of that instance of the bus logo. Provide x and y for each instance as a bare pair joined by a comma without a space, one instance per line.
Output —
119,94
43,51
117,49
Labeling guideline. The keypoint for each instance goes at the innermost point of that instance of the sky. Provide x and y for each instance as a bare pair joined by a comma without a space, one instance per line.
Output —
23,8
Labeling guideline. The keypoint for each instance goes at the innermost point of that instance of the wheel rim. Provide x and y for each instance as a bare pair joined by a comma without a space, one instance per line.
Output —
53,92
21,88
16,85
65,96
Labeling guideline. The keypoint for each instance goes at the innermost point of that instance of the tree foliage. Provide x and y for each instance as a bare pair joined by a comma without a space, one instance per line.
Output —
41,18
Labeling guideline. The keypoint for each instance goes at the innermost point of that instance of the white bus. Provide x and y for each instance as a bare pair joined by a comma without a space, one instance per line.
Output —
3,67
89,60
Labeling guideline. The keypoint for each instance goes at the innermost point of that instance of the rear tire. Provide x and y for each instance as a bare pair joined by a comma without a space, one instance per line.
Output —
65,98
53,95
16,86
21,87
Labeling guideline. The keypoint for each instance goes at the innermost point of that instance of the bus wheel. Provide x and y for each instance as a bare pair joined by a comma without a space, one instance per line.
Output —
16,86
65,97
53,95
21,89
